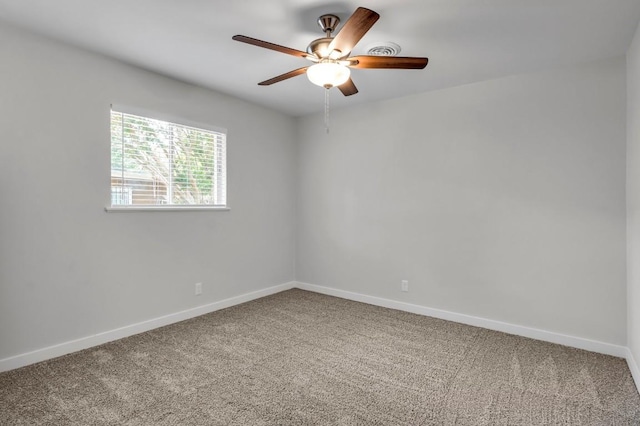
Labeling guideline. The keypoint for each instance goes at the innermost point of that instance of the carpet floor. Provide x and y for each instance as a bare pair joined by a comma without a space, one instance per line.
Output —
298,358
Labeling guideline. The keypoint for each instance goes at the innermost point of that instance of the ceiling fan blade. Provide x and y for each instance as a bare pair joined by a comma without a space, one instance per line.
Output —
388,62
267,45
284,76
348,88
353,30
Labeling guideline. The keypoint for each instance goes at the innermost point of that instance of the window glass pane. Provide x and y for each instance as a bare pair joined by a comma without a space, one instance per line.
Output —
155,162
121,196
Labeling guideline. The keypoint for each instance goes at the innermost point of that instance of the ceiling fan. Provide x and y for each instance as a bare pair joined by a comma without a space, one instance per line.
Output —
330,54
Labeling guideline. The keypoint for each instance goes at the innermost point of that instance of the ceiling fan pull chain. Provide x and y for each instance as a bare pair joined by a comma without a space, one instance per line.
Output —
326,109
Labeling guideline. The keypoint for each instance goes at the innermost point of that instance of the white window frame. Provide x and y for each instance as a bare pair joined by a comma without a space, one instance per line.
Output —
173,120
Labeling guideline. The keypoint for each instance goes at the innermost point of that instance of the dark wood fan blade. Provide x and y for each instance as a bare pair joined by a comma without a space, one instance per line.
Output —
271,46
388,62
353,30
348,88
284,76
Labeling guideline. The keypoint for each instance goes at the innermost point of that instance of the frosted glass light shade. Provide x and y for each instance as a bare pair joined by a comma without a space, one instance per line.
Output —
328,74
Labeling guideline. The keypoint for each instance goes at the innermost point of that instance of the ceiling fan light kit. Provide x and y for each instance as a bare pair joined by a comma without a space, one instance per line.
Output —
328,74
331,53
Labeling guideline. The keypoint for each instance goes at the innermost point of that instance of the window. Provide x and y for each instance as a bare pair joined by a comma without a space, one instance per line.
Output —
158,164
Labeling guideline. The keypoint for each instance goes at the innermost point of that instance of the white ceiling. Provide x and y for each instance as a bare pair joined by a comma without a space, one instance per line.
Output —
465,40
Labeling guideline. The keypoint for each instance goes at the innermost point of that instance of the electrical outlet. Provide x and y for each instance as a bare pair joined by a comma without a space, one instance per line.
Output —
404,285
198,289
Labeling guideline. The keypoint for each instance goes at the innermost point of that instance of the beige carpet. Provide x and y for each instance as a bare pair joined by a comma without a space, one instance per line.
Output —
304,358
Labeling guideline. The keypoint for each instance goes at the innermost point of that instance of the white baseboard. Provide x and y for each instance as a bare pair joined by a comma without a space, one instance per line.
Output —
533,333
54,351
64,348
633,367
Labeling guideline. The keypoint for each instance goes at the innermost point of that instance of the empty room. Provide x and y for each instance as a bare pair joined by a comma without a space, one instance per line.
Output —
302,212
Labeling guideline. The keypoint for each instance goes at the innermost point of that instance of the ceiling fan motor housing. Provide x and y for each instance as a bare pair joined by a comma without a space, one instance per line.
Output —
320,47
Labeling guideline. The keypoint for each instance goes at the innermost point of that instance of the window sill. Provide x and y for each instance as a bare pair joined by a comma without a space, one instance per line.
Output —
135,209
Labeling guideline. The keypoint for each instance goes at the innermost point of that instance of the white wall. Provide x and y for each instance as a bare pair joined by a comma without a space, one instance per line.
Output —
67,268
633,196
502,199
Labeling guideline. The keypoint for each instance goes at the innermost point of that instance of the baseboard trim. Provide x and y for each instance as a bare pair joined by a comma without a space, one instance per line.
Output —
533,333
68,347
65,348
633,367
